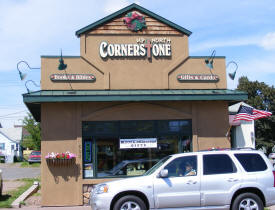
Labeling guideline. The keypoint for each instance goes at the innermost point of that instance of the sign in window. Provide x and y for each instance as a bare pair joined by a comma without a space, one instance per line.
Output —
138,143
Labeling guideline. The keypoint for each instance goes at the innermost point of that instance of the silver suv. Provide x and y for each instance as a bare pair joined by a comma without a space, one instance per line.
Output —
229,179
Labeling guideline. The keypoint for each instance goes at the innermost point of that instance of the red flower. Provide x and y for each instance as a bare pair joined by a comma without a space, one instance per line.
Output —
67,156
63,155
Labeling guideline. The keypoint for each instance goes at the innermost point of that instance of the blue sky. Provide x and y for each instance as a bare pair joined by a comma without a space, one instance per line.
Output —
241,30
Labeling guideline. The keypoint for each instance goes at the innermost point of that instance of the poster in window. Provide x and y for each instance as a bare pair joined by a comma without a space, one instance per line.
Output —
140,143
87,152
88,170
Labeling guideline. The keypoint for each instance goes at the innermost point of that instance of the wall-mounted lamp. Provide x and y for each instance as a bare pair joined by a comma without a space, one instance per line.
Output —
23,75
32,82
62,65
233,74
209,61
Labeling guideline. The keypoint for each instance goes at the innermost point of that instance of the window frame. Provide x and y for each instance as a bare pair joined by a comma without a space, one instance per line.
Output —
181,136
258,171
3,144
196,159
234,167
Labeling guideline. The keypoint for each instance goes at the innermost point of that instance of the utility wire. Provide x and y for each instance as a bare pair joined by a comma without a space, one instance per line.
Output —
12,113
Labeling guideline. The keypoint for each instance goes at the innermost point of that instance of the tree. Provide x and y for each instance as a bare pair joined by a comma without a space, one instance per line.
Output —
261,96
32,141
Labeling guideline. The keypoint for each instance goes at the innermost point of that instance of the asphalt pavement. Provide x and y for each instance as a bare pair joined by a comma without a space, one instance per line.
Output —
14,171
55,208
75,208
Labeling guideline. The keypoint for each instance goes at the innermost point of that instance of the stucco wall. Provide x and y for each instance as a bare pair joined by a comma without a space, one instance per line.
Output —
61,132
61,122
132,72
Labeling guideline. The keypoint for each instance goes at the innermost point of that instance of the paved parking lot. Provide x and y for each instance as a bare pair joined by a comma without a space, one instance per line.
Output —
14,171
55,208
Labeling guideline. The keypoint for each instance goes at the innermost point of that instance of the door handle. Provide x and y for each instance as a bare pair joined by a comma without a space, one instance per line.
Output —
232,179
191,182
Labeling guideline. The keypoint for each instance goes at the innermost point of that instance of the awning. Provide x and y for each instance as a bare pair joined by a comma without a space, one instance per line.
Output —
33,100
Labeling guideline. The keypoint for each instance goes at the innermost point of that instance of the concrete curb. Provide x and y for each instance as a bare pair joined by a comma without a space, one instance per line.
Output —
26,194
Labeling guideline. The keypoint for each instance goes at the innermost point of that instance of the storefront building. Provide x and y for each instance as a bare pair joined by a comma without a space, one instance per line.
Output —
132,97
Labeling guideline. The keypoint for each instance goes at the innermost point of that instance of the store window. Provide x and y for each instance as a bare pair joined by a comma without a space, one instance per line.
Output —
2,146
130,148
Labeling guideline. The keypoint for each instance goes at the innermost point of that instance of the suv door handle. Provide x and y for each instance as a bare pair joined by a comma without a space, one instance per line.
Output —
191,182
232,179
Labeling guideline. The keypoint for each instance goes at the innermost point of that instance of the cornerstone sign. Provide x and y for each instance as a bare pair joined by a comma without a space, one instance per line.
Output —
158,47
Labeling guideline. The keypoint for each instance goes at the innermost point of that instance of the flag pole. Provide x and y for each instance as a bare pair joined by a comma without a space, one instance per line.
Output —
228,131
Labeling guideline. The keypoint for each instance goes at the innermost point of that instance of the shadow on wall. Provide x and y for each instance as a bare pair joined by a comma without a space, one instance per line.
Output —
65,172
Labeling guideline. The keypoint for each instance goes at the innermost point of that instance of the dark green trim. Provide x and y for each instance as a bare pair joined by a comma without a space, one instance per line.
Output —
33,100
126,9
199,57
133,95
58,56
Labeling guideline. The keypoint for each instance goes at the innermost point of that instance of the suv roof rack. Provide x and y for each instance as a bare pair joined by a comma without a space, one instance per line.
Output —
244,148
215,149
222,149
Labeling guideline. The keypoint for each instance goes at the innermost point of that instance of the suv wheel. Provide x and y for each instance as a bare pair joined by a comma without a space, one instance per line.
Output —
247,201
130,202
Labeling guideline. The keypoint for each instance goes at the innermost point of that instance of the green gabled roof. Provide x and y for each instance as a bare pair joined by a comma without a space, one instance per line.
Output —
126,9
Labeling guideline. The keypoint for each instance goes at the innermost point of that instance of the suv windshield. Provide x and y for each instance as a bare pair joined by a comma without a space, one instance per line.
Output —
155,167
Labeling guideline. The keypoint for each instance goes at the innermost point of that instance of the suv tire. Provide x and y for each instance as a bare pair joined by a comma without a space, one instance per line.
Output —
250,199
130,202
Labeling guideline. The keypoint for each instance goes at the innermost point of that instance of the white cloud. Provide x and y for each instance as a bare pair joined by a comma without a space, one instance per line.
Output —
258,66
268,42
32,28
240,41
115,5
260,69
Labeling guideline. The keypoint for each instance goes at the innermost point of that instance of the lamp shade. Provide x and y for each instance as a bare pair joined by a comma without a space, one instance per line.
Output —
22,75
232,75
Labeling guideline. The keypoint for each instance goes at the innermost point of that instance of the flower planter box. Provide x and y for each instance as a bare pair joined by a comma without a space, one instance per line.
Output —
60,162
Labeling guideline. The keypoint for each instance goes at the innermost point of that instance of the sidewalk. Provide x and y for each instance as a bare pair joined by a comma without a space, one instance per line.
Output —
53,208
75,208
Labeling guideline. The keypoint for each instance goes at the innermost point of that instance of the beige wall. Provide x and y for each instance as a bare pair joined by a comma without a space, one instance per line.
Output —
61,122
132,73
62,131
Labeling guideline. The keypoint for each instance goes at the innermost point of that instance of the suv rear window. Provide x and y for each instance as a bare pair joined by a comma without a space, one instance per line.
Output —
218,164
251,162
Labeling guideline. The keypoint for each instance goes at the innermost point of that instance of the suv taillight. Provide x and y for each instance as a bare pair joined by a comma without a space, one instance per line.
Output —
274,178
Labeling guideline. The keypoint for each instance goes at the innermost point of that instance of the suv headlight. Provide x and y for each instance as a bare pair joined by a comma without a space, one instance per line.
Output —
101,188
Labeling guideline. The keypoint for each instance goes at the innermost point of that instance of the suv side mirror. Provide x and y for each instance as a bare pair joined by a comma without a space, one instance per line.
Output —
163,173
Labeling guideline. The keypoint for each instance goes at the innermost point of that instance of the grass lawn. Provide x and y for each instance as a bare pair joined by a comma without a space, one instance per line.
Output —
27,164
7,198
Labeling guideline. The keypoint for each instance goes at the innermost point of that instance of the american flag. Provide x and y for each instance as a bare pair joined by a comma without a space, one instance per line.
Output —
249,113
